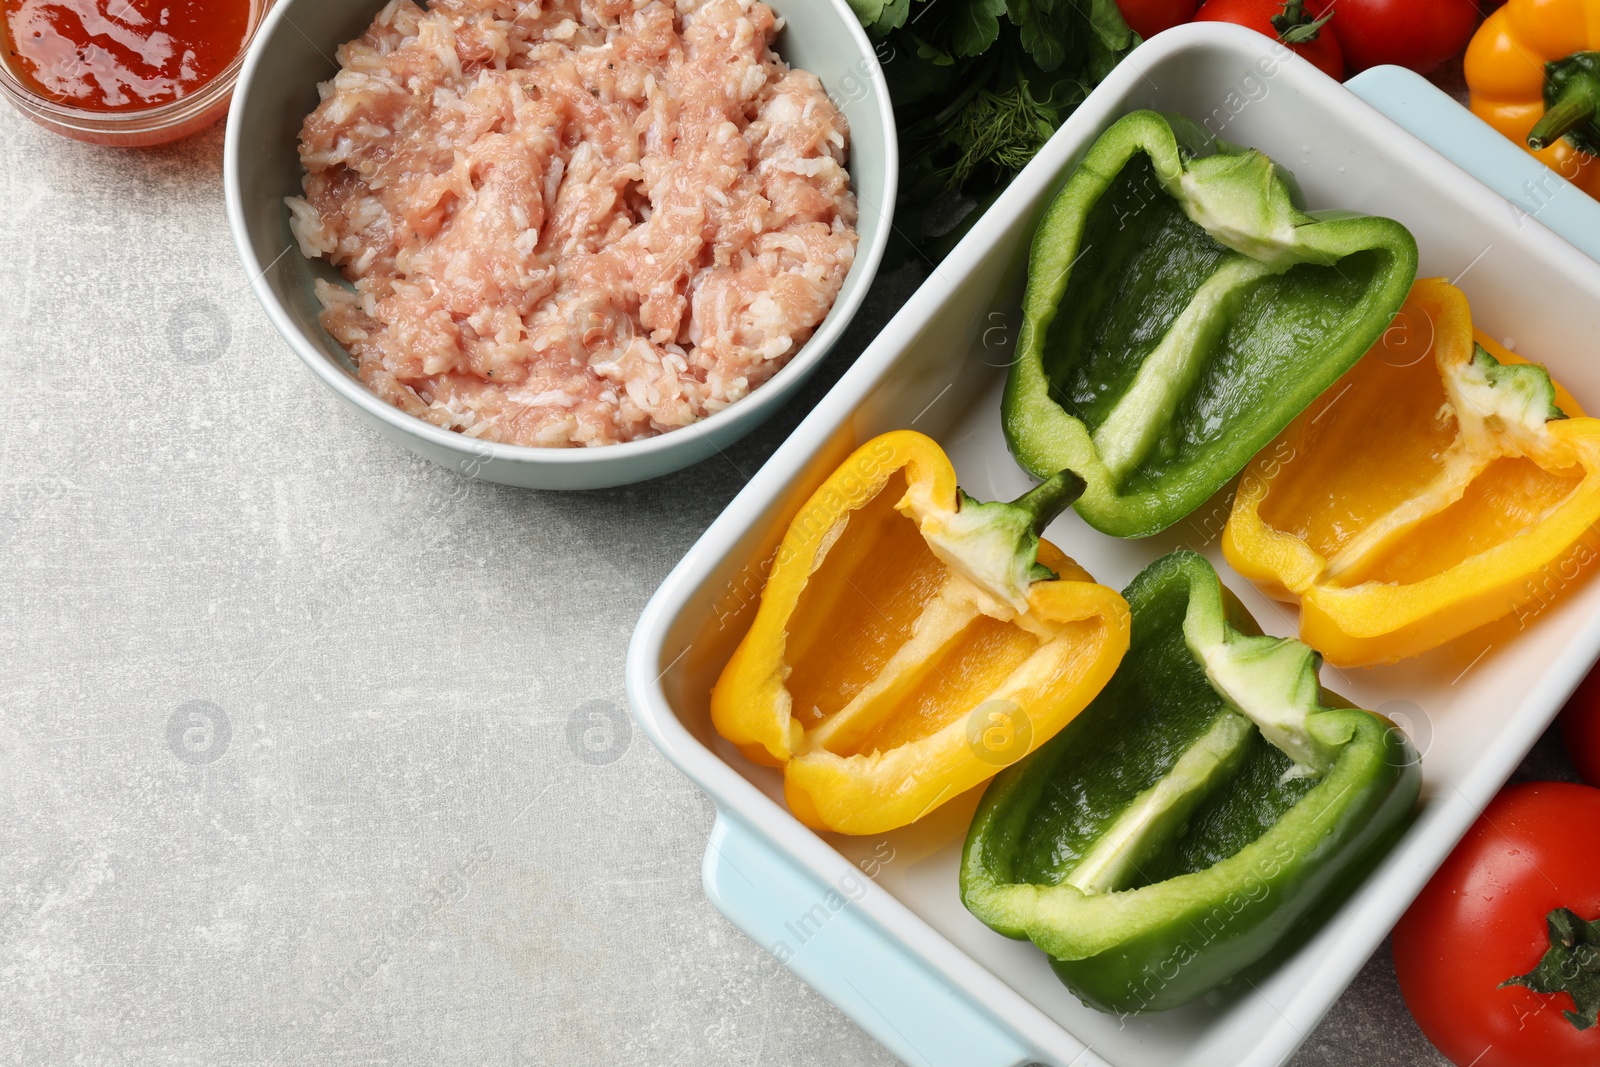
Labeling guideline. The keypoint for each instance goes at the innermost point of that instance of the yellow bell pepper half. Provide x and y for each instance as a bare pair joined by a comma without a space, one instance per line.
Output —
1530,51
1422,496
911,642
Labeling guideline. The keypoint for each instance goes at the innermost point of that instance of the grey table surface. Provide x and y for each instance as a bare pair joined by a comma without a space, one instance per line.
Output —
289,769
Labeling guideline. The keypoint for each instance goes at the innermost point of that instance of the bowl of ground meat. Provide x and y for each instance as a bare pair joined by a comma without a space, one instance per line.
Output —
561,244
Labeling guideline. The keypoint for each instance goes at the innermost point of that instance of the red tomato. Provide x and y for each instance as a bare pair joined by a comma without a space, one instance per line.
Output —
1150,17
1324,52
1580,727
1420,34
1481,920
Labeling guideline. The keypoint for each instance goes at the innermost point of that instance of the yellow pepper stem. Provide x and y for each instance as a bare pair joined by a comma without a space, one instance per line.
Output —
995,545
1048,499
1572,96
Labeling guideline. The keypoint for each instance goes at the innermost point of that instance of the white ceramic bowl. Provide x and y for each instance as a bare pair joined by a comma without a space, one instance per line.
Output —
278,88
876,924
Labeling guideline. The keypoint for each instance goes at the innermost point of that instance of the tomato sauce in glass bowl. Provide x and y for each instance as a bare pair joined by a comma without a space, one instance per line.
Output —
124,72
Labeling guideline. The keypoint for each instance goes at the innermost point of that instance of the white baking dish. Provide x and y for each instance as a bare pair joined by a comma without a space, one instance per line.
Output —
899,953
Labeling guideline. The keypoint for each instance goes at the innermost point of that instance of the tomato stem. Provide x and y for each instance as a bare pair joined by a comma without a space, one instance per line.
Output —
1571,965
1294,26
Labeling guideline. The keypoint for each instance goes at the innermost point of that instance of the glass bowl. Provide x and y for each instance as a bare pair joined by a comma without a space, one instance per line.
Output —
136,128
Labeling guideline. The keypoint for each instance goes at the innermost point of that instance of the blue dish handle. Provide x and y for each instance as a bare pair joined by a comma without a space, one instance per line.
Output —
817,932
1530,188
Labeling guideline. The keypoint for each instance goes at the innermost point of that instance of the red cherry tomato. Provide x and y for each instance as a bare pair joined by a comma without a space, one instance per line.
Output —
1420,34
1482,919
1580,728
1324,52
1150,17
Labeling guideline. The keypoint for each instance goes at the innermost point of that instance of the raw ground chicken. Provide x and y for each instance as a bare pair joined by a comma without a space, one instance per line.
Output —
577,223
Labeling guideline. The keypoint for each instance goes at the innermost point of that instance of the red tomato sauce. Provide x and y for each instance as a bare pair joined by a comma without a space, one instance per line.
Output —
121,55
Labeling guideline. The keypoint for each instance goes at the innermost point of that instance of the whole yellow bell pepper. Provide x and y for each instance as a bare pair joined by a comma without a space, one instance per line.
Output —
1533,73
1422,496
911,642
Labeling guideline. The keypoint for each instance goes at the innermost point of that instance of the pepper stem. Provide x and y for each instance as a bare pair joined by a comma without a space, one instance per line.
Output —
995,545
1049,498
1572,98
1576,105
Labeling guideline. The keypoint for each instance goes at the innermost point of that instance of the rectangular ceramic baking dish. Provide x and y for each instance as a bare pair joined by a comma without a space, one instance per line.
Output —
875,924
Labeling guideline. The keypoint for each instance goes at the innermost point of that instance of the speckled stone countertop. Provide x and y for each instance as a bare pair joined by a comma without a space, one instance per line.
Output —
288,772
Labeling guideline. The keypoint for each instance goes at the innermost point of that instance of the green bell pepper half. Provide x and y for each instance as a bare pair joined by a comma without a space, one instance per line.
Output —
1204,810
1181,308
